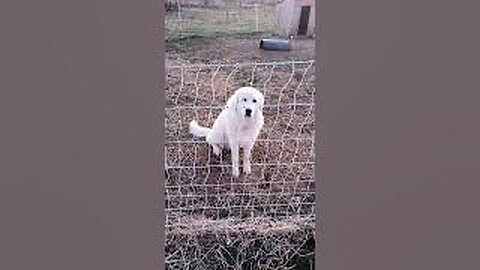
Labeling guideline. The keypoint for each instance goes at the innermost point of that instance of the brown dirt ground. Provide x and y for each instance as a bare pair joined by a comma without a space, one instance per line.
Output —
290,127
287,124
234,50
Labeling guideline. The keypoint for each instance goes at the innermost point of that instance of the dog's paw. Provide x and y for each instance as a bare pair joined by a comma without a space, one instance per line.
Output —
217,151
235,172
247,169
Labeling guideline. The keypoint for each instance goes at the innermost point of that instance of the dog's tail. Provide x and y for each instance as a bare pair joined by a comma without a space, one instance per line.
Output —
198,130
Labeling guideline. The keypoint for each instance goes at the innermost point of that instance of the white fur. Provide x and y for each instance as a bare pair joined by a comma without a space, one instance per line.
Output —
233,129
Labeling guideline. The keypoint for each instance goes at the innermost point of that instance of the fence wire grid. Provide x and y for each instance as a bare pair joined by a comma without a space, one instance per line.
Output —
264,220
209,18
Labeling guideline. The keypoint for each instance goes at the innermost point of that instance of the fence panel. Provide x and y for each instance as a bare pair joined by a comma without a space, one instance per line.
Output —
264,220
189,19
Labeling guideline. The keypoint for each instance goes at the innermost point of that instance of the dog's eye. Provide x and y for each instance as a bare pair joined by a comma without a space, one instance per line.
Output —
254,100
244,100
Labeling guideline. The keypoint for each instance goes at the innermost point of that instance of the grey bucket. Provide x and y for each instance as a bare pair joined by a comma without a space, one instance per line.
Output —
275,44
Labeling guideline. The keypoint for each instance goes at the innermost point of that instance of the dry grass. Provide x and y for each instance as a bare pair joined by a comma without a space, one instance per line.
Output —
250,244
195,21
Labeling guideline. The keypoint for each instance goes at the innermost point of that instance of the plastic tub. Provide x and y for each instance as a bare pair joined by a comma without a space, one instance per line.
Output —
271,44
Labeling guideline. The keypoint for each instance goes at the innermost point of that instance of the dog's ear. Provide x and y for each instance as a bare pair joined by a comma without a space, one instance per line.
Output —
232,102
261,100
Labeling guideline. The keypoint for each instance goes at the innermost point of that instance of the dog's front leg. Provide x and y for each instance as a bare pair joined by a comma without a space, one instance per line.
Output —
247,154
235,157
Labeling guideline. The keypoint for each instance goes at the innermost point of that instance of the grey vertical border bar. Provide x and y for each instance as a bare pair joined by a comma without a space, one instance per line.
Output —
319,138
81,127
402,175
161,124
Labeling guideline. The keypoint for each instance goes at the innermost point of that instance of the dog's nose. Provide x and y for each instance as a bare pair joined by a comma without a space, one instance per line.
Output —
248,112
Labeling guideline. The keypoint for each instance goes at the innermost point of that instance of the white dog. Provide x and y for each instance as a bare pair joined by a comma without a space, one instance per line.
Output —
237,126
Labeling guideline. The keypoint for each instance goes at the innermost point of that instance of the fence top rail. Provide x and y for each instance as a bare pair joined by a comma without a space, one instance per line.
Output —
218,65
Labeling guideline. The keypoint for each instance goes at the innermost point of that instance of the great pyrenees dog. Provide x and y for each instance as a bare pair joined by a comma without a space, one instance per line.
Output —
237,126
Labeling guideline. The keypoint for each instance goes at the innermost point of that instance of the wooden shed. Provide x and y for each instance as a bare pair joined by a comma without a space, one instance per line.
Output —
296,18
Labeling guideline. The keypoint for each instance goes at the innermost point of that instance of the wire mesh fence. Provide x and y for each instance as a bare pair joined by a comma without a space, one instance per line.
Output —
209,18
261,221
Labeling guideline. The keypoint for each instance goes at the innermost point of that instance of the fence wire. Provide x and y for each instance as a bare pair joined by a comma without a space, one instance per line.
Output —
208,18
261,221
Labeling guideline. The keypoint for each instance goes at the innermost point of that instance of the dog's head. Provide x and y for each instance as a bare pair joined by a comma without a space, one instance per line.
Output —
247,102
